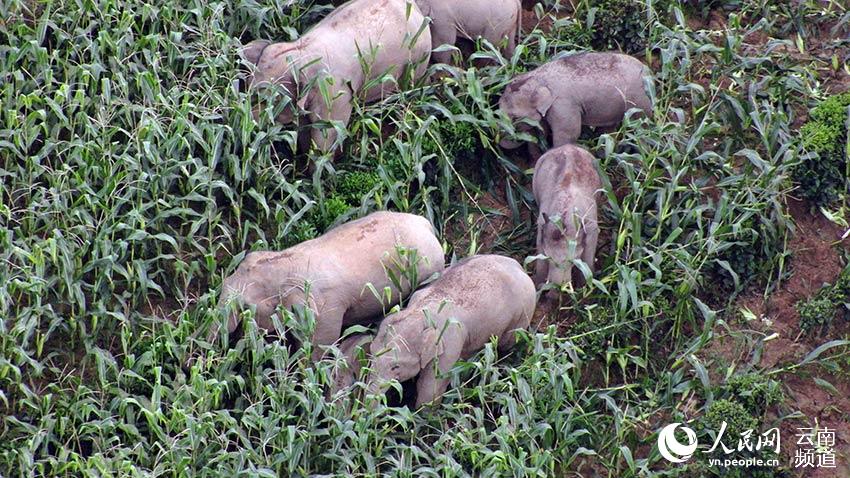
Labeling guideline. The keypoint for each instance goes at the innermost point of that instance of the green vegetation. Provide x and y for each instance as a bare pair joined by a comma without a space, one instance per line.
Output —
755,392
745,400
619,25
610,24
818,312
134,177
737,418
822,174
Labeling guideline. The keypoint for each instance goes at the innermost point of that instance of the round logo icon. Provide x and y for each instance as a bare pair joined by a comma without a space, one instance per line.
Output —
670,447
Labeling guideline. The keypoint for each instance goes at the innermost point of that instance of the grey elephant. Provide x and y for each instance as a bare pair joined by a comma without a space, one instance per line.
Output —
451,319
353,48
565,186
352,348
494,20
335,269
590,89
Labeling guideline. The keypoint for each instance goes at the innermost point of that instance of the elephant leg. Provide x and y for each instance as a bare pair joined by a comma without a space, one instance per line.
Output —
443,35
541,272
507,341
339,110
247,296
541,266
510,48
232,323
591,236
565,124
644,103
501,39
433,379
327,332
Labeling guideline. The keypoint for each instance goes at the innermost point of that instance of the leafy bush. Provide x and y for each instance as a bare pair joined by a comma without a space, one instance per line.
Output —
619,24
334,207
611,24
822,175
819,311
573,33
755,392
304,231
352,186
833,111
593,330
736,416
738,420
816,313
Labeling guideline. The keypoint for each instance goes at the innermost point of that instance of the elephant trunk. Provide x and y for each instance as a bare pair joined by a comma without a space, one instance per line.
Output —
509,144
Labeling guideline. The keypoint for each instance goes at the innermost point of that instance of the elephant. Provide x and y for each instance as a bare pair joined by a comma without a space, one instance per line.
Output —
351,348
451,319
585,89
352,48
329,275
565,185
493,20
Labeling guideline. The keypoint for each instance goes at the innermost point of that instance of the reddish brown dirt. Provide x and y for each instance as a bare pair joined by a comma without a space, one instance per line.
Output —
816,249
815,262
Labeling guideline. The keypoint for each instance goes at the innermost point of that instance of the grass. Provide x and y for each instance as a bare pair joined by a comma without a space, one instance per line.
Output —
134,178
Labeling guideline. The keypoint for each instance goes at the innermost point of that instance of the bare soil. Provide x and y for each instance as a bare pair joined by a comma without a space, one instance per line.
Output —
816,260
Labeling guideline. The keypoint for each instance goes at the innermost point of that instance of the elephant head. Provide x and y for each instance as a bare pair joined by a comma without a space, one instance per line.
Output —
346,372
555,245
524,100
410,344
413,343
404,345
248,287
275,64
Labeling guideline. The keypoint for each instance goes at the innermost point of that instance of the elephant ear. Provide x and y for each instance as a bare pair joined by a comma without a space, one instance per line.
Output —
254,50
543,100
431,348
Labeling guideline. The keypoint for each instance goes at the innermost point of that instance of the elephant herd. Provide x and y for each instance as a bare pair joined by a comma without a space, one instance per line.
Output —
356,272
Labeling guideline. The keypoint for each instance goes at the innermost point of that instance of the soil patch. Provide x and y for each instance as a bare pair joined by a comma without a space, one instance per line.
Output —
816,247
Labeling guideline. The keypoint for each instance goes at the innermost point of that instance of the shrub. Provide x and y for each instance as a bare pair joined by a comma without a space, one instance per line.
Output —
611,24
619,24
833,111
822,176
815,313
334,207
747,254
738,420
594,329
755,392
352,186
572,32
303,231
736,416
820,137
819,311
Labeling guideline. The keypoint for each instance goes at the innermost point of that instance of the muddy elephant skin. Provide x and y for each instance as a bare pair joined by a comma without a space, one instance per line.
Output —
566,185
451,319
496,21
335,269
586,89
387,36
